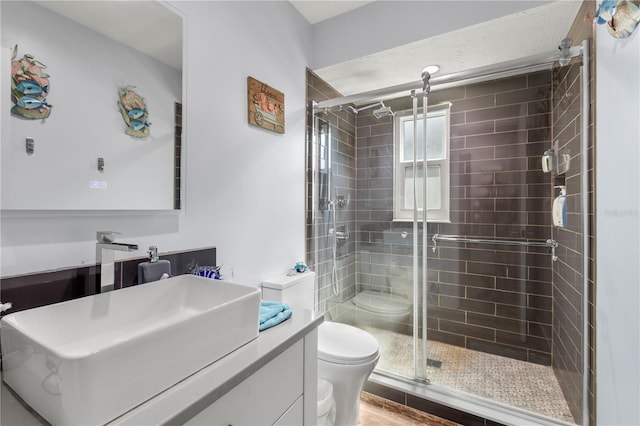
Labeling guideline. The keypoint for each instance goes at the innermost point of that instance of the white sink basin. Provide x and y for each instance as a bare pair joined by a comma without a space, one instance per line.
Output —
89,360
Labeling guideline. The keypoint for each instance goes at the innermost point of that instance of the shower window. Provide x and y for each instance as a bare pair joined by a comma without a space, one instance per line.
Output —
437,164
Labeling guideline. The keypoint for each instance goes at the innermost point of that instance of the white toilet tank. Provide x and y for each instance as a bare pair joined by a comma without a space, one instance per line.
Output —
298,291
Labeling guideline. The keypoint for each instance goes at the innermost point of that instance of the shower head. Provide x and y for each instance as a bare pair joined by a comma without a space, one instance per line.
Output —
383,111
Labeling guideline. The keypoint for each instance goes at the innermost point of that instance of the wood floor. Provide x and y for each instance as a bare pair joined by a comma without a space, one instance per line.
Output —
377,411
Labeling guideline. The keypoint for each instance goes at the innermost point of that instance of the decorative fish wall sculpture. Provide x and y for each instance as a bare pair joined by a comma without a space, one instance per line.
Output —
134,112
29,87
621,16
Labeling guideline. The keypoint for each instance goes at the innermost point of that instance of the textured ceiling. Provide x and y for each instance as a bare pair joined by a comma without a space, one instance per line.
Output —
533,31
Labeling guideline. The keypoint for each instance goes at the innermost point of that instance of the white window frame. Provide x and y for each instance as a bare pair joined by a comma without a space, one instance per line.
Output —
401,166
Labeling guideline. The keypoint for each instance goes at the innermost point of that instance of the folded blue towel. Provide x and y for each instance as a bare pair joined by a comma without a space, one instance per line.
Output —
273,313
269,310
275,320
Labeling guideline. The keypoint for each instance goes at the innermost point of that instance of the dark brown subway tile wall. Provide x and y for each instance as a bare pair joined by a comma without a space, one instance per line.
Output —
496,299
320,218
568,272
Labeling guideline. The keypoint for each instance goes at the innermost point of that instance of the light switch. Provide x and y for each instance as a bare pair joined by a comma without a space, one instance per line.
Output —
30,145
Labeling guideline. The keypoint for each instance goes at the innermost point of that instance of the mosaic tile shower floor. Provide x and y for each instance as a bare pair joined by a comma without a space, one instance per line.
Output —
521,384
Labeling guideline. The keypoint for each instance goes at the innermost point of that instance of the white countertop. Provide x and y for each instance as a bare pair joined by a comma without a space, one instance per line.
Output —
188,397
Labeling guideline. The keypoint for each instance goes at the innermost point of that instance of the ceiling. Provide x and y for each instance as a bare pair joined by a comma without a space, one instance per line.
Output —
530,32
315,11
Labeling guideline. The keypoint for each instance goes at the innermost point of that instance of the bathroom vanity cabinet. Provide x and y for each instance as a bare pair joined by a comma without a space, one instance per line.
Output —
272,395
271,380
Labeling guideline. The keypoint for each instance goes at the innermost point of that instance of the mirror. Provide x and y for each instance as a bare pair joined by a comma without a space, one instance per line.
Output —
80,157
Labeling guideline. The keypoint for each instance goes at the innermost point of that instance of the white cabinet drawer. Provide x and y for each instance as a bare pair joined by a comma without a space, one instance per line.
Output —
262,398
294,415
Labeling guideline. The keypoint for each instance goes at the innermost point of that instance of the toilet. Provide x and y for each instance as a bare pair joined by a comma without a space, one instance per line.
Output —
390,308
382,310
346,358
346,354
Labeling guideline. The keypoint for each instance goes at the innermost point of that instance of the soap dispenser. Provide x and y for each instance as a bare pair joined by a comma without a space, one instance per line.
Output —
560,207
154,269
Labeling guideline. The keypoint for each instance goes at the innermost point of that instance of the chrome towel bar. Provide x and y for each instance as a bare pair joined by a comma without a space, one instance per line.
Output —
553,244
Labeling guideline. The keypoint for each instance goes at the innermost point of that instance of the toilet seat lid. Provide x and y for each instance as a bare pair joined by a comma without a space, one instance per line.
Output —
345,344
383,303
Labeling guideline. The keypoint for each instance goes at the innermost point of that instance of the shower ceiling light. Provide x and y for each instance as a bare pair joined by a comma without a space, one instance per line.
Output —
431,69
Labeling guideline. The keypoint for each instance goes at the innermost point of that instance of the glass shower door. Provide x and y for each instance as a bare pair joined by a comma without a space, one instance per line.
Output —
505,294
489,301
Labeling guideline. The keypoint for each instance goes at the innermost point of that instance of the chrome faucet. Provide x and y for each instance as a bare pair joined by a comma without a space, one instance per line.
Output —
105,257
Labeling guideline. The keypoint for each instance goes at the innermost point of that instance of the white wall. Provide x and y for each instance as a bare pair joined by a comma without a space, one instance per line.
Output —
244,186
618,229
85,122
